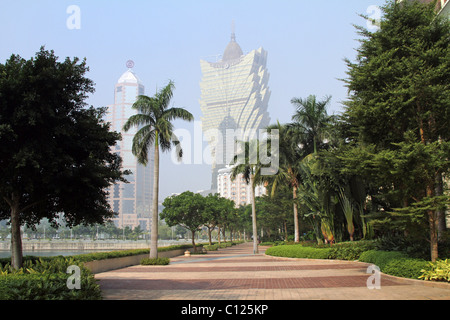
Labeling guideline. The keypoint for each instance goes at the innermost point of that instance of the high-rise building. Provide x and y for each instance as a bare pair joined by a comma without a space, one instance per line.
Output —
132,201
234,101
237,190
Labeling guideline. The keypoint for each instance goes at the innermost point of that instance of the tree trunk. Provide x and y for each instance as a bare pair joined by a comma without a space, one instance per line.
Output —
285,231
154,237
441,221
209,236
218,234
16,239
432,219
297,231
193,240
255,231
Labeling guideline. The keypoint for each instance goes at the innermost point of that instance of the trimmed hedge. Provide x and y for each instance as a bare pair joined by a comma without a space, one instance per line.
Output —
341,251
350,250
395,263
155,261
298,251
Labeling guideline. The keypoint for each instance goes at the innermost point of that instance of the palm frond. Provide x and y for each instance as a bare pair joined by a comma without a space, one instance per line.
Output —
177,113
138,120
142,140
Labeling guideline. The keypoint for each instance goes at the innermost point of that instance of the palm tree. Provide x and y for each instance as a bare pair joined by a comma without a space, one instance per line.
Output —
155,128
248,153
290,154
312,119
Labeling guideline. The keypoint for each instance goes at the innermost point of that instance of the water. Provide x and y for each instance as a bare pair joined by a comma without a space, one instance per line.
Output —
52,253
7,254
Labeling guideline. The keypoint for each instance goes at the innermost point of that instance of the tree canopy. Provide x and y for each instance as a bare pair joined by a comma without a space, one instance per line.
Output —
54,150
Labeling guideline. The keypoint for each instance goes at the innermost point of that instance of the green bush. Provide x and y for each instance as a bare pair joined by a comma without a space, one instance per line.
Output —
46,279
395,263
155,261
381,258
212,247
298,251
350,250
437,271
340,251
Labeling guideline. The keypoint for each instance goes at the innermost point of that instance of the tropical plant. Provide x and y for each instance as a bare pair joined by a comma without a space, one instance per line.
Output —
154,123
290,154
312,119
347,208
247,162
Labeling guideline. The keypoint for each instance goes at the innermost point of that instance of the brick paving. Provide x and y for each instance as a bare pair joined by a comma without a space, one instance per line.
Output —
236,274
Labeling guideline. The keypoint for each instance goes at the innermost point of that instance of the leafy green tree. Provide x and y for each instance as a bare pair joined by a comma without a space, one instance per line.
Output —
399,95
186,210
216,212
155,128
54,150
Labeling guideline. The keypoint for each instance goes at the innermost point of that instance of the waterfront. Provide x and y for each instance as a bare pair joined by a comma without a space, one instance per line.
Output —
7,254
73,247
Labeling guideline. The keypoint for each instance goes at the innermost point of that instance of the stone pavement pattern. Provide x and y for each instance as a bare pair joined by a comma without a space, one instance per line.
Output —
236,274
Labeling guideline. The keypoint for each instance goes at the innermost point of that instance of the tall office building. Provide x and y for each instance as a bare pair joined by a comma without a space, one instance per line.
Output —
132,201
234,101
237,190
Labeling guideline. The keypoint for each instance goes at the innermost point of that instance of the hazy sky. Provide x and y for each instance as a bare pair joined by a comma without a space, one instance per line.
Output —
306,42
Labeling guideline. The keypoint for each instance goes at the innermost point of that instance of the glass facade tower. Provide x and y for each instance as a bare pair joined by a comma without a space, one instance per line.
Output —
132,201
234,101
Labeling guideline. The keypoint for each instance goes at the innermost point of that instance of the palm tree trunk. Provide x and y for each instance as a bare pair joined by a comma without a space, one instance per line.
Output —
154,237
297,232
255,231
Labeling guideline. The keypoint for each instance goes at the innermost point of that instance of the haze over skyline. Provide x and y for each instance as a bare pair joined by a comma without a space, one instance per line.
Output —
306,43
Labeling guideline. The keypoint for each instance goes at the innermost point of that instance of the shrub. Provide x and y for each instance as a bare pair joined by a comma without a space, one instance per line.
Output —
406,268
350,250
437,271
46,279
155,261
395,263
298,251
212,247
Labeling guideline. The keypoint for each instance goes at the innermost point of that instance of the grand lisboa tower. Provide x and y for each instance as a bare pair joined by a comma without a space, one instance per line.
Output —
234,101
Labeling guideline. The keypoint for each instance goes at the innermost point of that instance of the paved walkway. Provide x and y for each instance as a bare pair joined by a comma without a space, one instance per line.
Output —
236,274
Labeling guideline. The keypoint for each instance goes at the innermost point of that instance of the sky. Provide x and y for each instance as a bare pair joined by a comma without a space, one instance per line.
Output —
306,42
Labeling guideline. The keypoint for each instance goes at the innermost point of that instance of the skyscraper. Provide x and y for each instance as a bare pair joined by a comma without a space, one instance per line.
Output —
234,101
133,200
